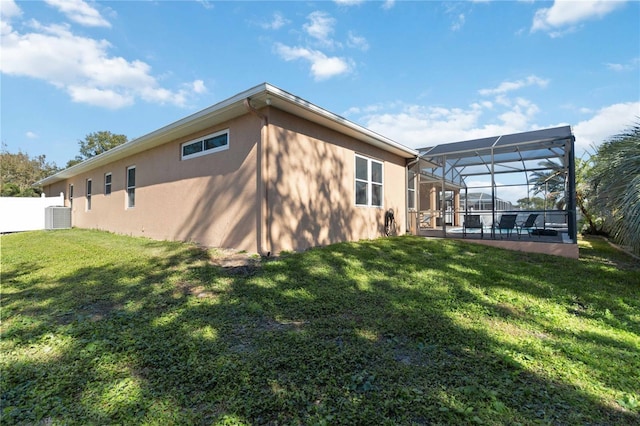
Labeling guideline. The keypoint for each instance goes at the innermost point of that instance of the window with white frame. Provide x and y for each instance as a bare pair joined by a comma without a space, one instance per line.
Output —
131,187
89,194
411,191
107,184
71,196
209,144
368,182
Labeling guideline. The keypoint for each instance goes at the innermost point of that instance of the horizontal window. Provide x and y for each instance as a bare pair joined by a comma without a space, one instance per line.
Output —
206,145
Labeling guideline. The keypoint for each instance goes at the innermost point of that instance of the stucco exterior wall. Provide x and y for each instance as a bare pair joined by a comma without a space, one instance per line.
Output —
311,186
289,185
209,199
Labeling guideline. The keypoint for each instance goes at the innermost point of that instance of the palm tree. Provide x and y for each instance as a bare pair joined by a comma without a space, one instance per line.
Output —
615,181
551,183
584,197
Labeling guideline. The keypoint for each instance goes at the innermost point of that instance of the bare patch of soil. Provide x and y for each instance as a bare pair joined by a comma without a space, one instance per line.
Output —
236,262
187,289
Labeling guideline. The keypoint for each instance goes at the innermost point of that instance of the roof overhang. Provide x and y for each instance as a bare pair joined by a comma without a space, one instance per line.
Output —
259,97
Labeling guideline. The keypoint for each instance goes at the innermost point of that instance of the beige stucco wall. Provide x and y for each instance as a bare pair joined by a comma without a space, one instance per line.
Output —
311,186
209,199
285,186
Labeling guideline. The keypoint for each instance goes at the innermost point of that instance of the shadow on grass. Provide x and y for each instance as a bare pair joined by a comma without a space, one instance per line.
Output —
376,332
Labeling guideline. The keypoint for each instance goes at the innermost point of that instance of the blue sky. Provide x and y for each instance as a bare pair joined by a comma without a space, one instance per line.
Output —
419,72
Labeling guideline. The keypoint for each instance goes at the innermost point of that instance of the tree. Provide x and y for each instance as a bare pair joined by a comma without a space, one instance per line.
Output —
551,183
96,143
531,203
593,223
615,182
18,173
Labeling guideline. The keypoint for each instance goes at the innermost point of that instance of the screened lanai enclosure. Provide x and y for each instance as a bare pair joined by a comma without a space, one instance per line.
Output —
517,188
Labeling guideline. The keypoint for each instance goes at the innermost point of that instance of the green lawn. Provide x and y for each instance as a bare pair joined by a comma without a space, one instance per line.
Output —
106,329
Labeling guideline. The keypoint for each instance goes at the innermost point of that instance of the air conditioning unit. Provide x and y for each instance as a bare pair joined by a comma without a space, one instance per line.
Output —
57,217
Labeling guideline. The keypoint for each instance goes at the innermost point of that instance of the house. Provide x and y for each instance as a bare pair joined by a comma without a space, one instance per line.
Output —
263,171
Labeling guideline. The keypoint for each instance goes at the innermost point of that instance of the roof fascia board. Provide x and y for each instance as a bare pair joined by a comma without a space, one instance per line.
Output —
360,132
262,92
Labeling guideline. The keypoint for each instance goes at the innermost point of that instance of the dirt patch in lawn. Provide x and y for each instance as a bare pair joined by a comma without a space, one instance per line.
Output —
236,262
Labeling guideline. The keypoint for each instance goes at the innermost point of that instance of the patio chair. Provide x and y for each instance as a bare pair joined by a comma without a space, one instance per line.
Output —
472,221
425,220
507,223
528,224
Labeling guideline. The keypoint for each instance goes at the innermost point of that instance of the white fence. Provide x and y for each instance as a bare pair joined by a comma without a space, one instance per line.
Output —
25,213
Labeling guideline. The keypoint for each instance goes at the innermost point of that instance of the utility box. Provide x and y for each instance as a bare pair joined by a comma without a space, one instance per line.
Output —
57,217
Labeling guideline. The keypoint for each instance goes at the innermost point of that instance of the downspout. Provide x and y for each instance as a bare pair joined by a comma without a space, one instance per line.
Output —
264,243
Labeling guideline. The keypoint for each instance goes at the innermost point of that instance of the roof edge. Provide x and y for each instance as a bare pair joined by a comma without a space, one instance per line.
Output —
273,90
164,134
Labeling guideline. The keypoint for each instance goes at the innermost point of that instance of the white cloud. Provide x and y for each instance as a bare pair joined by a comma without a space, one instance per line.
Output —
369,109
322,66
617,67
455,11
459,23
564,15
82,67
520,116
198,86
348,2
206,4
320,27
418,126
277,21
80,12
9,9
31,135
607,122
508,86
106,98
357,42
629,66
386,4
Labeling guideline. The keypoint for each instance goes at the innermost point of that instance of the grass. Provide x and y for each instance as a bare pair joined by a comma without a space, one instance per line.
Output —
106,329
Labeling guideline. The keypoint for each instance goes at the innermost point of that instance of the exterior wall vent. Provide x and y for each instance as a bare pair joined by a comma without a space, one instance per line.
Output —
57,217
